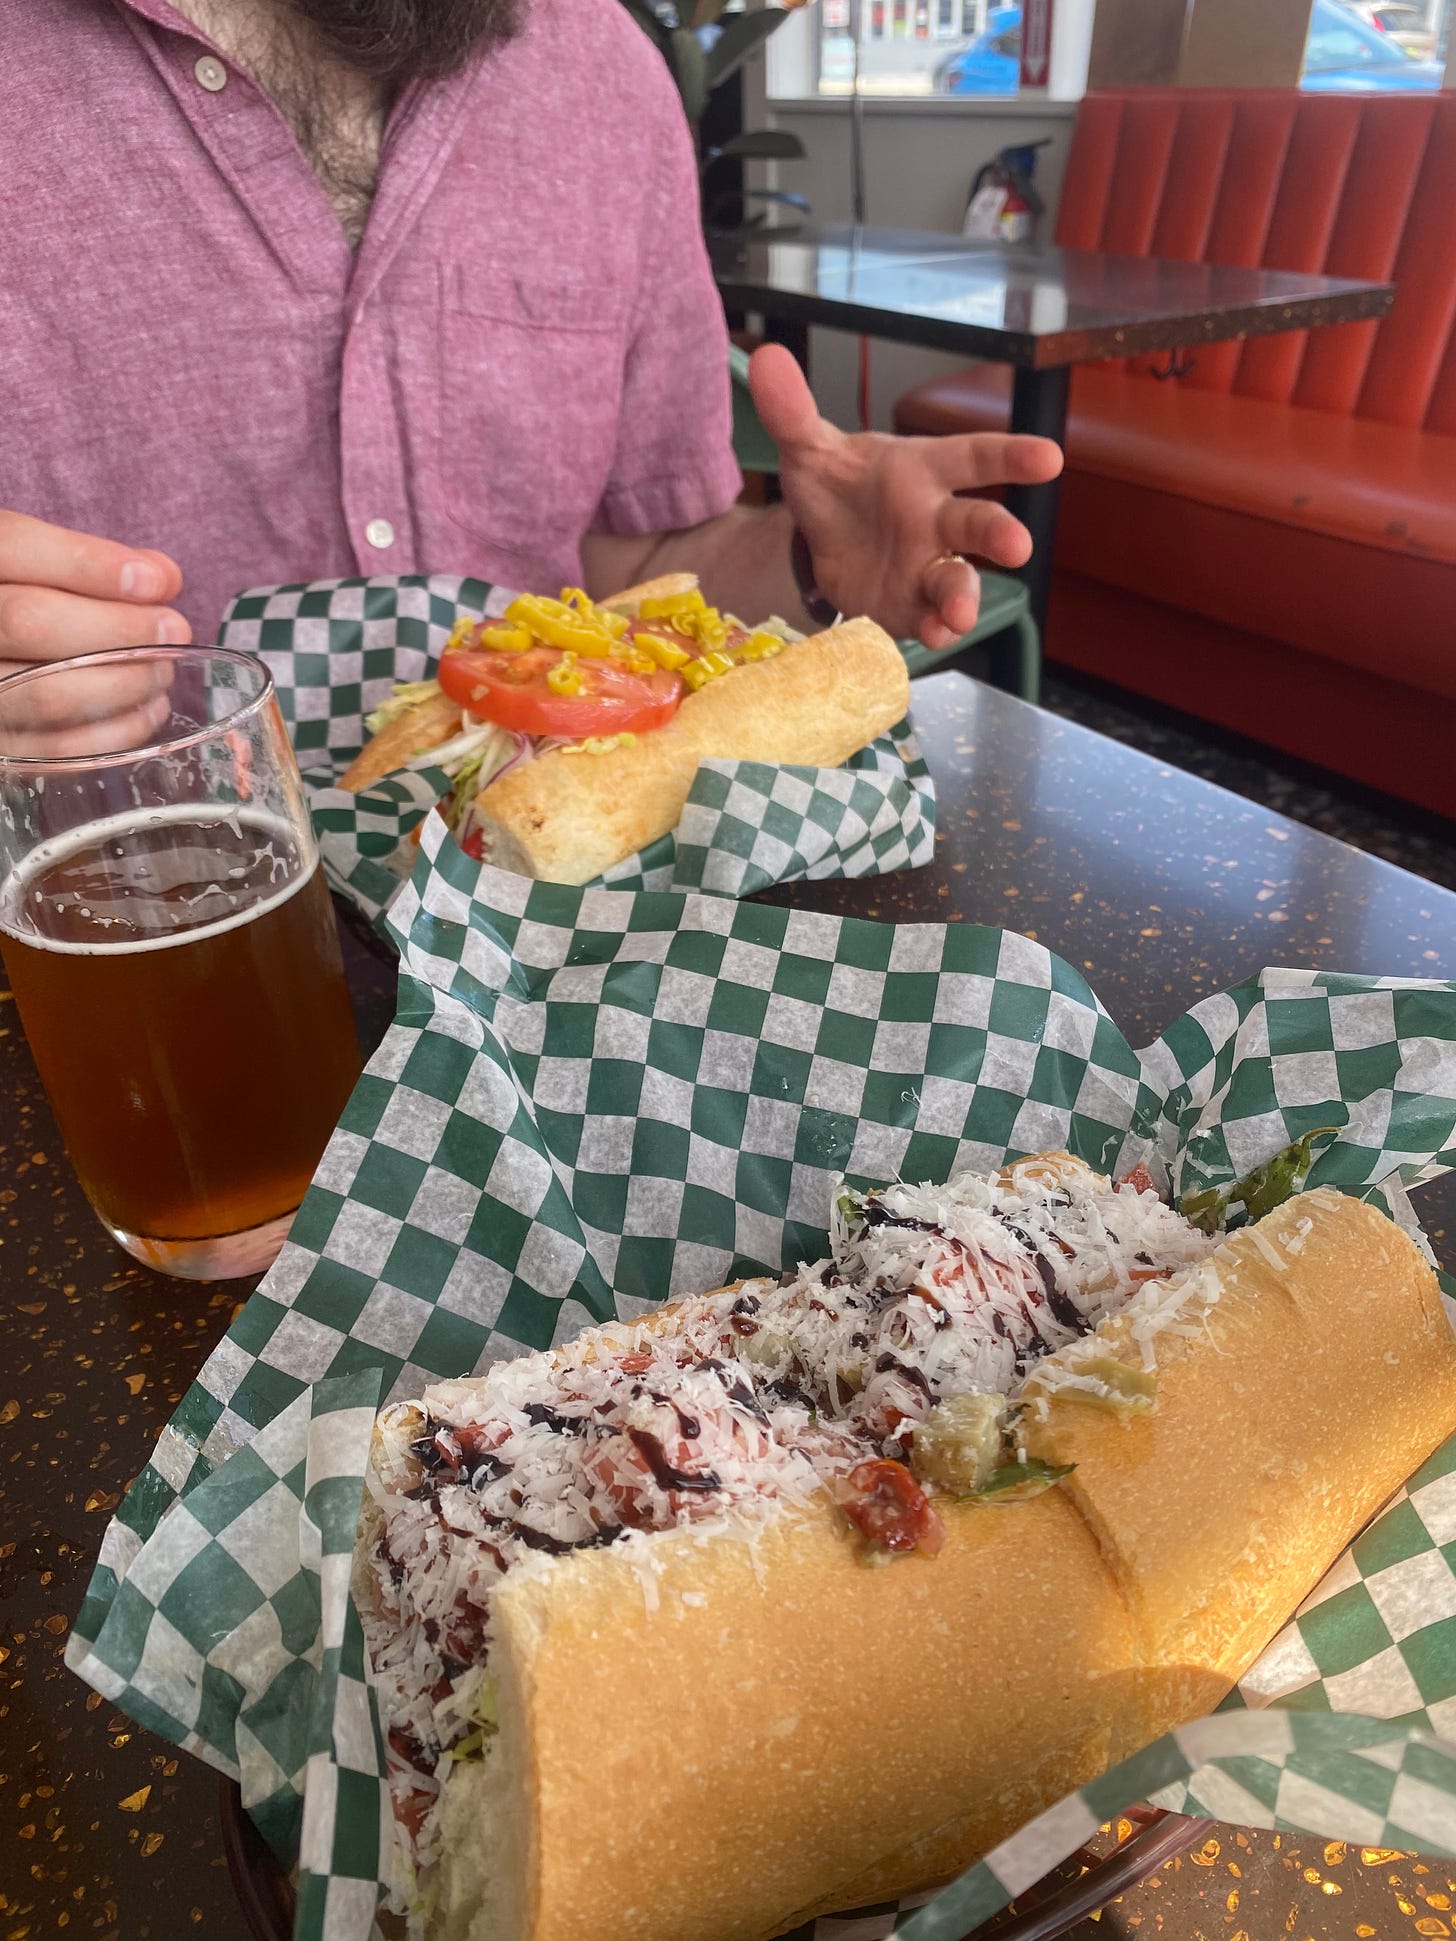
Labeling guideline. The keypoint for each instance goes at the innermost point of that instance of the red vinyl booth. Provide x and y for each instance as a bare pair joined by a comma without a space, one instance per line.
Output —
1266,537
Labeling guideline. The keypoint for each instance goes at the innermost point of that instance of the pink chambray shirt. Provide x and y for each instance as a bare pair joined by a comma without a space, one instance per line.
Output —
526,347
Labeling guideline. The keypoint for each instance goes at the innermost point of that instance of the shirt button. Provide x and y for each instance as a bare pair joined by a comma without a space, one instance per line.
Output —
211,74
379,533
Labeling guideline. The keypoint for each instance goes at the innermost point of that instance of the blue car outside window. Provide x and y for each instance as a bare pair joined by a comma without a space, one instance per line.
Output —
1341,52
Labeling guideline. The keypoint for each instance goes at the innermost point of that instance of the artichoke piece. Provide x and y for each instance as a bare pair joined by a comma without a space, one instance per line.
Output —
767,1349
961,1442
1126,1389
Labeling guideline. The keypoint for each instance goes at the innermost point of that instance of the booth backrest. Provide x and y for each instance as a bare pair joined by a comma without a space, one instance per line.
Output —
1345,184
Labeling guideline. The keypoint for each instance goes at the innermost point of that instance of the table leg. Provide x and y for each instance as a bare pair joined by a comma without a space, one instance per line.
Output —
793,334
1039,405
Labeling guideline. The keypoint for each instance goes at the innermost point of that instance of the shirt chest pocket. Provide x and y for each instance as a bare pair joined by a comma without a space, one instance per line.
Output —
532,369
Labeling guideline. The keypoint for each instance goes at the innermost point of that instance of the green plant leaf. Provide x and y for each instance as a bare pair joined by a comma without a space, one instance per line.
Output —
764,143
743,34
689,66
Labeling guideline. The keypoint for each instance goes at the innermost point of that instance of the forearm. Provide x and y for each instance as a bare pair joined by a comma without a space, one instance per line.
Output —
741,559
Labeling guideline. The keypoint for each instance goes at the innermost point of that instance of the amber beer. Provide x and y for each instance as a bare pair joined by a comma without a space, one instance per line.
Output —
179,979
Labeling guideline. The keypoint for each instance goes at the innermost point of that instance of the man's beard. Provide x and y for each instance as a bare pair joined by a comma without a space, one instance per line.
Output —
406,40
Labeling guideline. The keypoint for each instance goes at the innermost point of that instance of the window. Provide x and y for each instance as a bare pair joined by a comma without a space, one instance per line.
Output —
913,47
931,49
1369,46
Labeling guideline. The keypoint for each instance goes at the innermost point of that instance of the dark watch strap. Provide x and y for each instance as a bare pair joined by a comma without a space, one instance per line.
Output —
816,604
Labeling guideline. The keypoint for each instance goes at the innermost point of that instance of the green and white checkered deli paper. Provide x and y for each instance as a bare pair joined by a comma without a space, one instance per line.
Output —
336,648
591,1100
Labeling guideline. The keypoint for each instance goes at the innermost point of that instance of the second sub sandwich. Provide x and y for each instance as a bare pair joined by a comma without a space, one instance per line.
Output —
804,1593
573,729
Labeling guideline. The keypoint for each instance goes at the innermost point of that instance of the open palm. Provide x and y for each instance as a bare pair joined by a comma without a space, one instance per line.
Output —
881,514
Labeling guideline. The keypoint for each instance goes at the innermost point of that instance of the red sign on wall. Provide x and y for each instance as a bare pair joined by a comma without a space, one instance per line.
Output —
1036,42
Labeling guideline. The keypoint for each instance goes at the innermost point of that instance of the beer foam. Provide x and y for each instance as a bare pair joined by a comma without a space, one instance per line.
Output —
46,855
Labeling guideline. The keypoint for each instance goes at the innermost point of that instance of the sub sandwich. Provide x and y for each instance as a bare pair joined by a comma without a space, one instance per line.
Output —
804,1593
573,729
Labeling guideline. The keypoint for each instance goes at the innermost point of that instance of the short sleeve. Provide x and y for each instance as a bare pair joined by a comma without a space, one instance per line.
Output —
674,465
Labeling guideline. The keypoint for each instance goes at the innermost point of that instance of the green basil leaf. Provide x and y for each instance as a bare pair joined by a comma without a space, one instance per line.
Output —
1014,1482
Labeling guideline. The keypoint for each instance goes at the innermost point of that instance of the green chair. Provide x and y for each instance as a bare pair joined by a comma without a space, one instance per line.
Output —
1005,635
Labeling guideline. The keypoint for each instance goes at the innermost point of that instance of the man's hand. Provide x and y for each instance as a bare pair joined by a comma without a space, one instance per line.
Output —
64,593
879,513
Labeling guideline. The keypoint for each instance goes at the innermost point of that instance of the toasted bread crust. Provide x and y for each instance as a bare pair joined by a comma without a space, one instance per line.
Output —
569,816
665,587
429,724
861,1733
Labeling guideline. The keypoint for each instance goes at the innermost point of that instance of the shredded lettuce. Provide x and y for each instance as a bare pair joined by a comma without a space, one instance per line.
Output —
465,789
472,759
406,695
774,625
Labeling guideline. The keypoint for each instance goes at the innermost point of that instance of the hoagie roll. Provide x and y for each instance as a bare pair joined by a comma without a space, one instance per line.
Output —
575,728
802,1594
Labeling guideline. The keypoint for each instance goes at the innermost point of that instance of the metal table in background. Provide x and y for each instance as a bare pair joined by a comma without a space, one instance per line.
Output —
1031,305
1158,886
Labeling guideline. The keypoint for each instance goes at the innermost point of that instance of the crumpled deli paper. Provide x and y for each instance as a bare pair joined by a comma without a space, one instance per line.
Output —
591,1100
336,648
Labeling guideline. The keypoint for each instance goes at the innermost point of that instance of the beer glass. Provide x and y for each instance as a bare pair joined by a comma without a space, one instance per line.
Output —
170,943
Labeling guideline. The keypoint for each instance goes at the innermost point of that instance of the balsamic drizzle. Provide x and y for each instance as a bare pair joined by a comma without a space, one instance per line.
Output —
663,1473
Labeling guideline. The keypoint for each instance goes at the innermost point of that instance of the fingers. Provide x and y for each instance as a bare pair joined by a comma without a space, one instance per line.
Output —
77,697
39,623
981,458
952,591
988,530
113,734
33,553
65,593
784,401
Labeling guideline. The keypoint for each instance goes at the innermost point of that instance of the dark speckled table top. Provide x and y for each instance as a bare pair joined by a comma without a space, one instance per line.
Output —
1027,304
1157,885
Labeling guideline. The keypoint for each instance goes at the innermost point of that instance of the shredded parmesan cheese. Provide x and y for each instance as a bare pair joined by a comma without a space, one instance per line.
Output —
745,1403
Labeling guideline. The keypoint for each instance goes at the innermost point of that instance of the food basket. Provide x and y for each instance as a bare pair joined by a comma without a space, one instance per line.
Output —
336,649
488,1190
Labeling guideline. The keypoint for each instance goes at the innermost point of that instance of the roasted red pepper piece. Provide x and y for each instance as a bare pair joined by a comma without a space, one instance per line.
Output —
890,1508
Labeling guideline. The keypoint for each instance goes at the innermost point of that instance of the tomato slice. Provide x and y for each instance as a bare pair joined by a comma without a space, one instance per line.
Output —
510,689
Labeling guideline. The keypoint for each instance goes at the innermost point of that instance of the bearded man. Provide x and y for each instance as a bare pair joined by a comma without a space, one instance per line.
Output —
295,289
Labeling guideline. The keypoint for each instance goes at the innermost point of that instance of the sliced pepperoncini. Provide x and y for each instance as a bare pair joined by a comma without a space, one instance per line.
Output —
506,638
672,606
758,646
664,653
555,624
565,676
600,744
